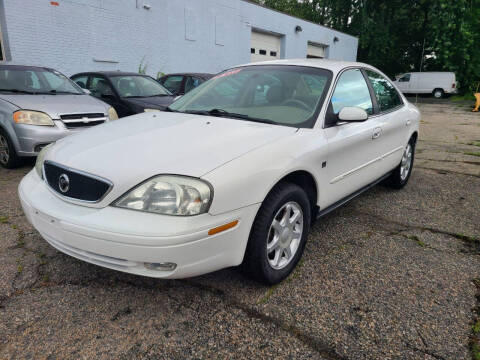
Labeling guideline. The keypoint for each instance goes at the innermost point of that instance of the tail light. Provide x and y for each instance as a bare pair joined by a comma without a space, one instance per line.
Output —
453,86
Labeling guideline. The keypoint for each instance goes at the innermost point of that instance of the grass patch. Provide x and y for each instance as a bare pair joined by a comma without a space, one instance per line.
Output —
3,219
476,327
20,269
472,153
464,97
417,240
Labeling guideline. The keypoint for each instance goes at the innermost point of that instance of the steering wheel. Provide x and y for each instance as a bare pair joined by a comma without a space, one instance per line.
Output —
297,103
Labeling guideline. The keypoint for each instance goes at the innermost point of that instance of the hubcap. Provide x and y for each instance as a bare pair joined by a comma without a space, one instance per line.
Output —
4,153
406,164
284,235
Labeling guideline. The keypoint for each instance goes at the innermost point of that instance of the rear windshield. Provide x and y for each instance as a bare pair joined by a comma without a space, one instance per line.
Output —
36,81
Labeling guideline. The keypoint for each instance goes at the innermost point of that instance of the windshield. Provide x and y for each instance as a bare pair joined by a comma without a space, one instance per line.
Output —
138,86
278,94
36,81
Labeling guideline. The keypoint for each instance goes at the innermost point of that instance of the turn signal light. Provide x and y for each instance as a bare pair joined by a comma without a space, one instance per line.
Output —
219,229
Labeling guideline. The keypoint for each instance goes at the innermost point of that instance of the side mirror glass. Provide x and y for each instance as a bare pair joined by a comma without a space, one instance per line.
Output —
352,114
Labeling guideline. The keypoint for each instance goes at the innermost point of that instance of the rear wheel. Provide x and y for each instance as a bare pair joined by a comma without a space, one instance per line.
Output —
279,234
399,177
8,155
438,93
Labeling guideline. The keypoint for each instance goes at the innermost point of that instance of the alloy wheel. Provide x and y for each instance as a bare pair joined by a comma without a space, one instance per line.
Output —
284,235
4,150
406,162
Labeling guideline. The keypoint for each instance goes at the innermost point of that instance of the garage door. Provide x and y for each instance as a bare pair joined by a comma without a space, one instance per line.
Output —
315,51
265,46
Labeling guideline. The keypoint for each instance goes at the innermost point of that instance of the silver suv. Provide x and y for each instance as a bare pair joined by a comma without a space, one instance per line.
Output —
38,106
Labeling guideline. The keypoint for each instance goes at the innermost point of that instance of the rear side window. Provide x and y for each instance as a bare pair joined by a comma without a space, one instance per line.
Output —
386,94
173,83
352,90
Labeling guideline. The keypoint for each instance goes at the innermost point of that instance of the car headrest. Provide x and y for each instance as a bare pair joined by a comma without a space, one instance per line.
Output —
275,94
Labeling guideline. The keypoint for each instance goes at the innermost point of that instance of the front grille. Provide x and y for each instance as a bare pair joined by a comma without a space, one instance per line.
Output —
81,186
75,121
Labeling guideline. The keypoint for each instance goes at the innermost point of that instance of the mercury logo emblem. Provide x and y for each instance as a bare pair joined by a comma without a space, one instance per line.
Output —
64,183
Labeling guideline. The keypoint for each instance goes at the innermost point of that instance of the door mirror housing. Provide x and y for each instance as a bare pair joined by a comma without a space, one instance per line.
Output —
86,91
352,114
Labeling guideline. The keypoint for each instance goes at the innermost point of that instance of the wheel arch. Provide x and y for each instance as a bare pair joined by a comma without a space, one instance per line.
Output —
307,182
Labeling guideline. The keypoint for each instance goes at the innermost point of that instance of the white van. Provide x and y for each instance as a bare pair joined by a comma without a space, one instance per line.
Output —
436,83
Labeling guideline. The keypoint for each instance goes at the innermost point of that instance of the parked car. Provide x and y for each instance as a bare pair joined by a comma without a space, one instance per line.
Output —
39,106
180,84
128,93
235,172
436,83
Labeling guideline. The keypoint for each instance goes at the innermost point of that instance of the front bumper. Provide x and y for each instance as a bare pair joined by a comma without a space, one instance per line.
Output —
125,240
32,138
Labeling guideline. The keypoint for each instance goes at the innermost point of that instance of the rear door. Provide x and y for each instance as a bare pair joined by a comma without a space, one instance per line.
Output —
392,118
352,149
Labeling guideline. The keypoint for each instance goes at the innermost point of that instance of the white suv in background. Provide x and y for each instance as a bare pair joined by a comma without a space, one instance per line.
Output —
233,173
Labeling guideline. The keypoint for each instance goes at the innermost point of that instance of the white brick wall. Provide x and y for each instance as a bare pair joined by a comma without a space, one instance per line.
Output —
70,36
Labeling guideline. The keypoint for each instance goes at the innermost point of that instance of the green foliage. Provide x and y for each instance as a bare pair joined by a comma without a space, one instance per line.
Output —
393,34
142,68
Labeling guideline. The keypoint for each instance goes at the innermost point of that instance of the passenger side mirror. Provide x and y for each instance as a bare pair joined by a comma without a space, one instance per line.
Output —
352,114
86,91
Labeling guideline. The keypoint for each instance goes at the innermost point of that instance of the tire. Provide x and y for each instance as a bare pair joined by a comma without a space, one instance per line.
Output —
438,93
8,155
399,177
270,266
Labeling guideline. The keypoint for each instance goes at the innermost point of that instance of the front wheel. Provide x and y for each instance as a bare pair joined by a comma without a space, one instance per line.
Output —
279,234
399,177
8,155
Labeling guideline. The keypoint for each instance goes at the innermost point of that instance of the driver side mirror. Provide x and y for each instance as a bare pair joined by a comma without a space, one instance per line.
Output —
352,114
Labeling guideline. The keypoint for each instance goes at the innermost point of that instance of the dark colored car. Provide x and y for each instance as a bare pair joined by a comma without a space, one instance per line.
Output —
128,93
180,84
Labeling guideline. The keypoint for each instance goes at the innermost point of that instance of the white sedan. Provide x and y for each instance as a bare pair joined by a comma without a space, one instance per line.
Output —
232,173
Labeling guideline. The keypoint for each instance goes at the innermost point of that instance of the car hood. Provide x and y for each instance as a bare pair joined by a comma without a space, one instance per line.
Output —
128,152
56,105
154,102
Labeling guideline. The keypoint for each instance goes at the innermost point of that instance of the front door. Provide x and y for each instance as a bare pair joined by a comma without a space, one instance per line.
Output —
352,151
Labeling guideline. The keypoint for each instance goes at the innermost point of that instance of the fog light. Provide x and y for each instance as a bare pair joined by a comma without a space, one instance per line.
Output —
164,266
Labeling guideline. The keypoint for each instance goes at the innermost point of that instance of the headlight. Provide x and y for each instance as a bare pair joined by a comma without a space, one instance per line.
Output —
149,110
32,118
169,195
41,160
112,114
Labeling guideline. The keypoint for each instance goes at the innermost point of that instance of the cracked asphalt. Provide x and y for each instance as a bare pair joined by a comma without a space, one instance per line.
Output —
388,276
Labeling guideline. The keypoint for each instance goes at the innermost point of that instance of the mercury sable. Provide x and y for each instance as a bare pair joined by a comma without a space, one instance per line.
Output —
233,173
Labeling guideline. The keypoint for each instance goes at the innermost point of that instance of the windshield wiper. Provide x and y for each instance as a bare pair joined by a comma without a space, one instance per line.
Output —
169,109
224,113
61,92
19,91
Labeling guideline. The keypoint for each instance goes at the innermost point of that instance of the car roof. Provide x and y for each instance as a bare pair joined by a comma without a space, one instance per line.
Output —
333,65
110,73
204,75
23,67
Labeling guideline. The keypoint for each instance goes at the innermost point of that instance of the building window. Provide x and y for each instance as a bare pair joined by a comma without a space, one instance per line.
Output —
273,53
252,50
263,52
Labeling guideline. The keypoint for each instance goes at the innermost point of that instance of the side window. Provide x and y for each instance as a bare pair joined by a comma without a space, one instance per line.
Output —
386,94
81,81
192,83
352,90
174,83
404,78
99,87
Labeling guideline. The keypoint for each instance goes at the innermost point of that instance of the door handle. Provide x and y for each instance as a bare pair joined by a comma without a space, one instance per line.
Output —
376,133
408,122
